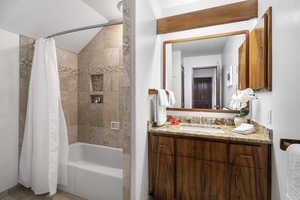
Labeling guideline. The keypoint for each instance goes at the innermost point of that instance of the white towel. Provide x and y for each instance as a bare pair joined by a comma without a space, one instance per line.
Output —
245,129
293,172
171,99
162,97
161,105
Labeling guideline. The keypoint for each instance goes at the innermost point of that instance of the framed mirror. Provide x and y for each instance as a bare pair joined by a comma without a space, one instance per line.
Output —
204,72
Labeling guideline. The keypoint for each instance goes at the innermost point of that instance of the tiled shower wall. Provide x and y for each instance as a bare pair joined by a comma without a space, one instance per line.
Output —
102,57
67,66
128,34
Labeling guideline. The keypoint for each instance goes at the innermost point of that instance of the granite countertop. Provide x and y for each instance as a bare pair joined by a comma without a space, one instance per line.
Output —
261,135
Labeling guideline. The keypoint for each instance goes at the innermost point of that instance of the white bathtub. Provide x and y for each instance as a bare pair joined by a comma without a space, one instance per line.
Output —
94,172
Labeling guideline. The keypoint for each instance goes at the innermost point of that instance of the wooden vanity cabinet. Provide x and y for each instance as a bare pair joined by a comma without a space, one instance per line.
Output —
161,167
249,172
199,169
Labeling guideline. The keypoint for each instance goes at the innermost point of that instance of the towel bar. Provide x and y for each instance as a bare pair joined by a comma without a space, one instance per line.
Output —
154,91
285,143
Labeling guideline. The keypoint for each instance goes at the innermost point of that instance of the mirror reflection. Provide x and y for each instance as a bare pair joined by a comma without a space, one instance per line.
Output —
204,72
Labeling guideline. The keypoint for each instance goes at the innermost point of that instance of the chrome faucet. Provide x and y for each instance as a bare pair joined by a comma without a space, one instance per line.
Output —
209,120
192,120
200,120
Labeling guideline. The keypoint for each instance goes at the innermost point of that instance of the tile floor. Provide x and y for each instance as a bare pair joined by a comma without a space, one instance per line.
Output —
22,193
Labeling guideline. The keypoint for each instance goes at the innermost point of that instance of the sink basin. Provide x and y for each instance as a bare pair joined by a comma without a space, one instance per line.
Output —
202,129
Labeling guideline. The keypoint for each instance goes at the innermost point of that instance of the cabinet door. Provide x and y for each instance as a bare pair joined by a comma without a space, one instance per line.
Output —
246,183
243,67
214,181
201,180
258,69
162,180
188,178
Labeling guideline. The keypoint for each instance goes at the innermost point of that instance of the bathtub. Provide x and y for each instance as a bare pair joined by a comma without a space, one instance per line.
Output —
94,172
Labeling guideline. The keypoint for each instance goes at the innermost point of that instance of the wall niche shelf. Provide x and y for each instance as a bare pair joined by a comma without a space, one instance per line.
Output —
96,93
96,98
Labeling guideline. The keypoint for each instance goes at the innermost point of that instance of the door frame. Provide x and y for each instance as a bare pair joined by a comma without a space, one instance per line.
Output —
218,74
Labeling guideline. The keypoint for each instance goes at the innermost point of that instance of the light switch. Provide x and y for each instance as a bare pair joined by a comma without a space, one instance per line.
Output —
269,116
114,125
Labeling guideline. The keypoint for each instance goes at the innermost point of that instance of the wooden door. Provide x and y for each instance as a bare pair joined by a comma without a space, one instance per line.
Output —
162,180
202,97
246,183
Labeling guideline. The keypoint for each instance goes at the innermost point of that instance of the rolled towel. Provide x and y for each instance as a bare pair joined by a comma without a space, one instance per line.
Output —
161,105
162,97
245,129
171,98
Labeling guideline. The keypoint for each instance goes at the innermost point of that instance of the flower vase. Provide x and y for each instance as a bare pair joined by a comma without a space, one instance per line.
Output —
239,120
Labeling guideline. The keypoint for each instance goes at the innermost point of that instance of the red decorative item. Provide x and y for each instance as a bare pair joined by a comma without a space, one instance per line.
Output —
174,121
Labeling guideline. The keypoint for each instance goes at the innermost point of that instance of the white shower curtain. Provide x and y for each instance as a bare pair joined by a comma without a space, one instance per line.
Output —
44,155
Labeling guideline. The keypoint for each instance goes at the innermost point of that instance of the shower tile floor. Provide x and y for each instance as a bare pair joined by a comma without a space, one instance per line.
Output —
22,193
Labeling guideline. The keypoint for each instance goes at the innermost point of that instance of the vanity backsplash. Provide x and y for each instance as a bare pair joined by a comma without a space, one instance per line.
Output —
205,120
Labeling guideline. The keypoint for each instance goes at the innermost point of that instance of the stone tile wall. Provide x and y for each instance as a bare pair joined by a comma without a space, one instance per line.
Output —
102,56
90,122
127,67
68,72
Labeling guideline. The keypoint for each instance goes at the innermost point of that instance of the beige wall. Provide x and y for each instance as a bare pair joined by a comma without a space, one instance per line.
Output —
102,56
68,73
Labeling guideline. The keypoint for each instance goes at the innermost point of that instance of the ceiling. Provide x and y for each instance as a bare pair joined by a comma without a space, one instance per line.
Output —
204,47
163,4
40,18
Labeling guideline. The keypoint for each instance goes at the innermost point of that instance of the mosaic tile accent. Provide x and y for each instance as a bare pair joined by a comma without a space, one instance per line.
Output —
97,82
196,120
101,70
86,71
67,70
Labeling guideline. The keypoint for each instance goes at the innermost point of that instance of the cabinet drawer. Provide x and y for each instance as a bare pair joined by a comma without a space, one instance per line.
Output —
163,145
246,155
211,151
186,147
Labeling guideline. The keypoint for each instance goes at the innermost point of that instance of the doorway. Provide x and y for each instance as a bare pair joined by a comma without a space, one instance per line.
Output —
202,93
214,73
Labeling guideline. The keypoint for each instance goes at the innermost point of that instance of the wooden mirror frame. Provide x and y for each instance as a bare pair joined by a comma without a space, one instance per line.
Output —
246,32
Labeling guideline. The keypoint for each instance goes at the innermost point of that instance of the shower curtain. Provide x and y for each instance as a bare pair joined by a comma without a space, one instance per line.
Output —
44,154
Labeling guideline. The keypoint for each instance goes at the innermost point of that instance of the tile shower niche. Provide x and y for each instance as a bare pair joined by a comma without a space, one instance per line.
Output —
96,93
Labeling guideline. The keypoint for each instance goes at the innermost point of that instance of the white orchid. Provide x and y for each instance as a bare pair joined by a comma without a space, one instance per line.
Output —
240,99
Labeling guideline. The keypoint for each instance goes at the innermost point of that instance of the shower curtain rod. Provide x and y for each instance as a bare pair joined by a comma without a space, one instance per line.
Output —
85,28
